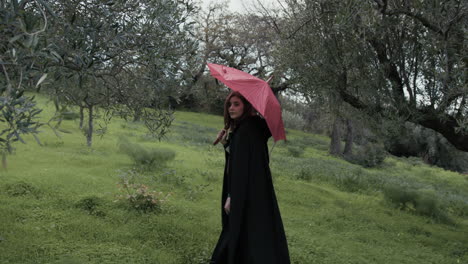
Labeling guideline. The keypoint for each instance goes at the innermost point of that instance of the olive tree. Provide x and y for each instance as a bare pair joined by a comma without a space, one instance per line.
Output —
22,27
398,60
120,56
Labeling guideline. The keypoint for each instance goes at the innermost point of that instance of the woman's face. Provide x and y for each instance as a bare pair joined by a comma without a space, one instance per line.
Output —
236,108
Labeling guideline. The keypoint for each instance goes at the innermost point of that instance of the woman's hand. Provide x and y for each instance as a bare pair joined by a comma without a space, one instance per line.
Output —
227,205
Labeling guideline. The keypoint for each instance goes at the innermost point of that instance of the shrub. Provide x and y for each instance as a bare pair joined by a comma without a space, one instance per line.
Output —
130,175
400,197
172,177
304,174
421,202
371,155
147,157
458,206
293,120
351,181
295,151
140,198
90,204
415,161
20,189
426,204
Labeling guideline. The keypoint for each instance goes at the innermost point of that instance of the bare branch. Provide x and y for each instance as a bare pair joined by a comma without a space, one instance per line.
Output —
424,21
299,28
45,23
8,79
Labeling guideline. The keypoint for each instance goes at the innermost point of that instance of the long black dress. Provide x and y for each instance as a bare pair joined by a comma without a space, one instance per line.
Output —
253,232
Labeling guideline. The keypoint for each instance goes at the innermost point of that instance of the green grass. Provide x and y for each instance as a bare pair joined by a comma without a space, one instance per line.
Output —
333,211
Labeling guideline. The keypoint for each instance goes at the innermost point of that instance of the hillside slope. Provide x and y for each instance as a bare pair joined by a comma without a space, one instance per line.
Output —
59,203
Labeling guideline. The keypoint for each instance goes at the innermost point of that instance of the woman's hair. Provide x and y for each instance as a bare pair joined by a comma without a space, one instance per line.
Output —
248,110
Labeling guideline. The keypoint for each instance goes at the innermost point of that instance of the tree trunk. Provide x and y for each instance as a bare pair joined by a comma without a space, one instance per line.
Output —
335,143
137,116
348,150
57,104
81,117
89,135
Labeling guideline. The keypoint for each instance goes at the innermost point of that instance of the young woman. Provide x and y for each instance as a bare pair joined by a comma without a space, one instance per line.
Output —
252,229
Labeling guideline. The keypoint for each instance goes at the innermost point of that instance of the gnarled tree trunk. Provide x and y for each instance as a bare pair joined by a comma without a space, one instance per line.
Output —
348,150
89,135
335,143
81,117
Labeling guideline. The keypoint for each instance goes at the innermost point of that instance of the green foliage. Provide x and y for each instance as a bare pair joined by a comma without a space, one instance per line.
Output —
313,116
352,181
349,179
53,230
69,115
415,161
401,197
91,205
304,142
304,174
209,176
427,204
370,155
53,144
21,188
195,192
158,122
148,158
139,197
431,147
21,28
326,68
102,42
205,96
85,130
456,205
195,134
172,177
421,202
197,254
296,151
293,120
19,115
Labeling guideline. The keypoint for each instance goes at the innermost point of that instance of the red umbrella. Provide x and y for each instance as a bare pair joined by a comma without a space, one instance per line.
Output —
257,92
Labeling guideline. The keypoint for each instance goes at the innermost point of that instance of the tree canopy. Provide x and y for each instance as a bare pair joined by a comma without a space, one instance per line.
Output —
404,59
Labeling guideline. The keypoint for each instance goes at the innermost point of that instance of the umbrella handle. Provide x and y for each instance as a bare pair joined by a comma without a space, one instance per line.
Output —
220,136
269,79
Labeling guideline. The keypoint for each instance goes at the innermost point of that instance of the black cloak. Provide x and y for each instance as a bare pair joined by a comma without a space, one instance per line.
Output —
253,231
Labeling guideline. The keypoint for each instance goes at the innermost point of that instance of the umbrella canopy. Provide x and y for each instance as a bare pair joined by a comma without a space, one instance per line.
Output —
257,92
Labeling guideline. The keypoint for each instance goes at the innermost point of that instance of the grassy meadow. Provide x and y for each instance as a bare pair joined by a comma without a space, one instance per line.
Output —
63,202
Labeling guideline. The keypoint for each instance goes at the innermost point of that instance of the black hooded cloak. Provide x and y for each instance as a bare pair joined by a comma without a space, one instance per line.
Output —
253,231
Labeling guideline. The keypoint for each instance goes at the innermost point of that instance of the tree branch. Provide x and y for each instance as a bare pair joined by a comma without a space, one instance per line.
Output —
281,87
424,21
299,28
390,71
443,123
